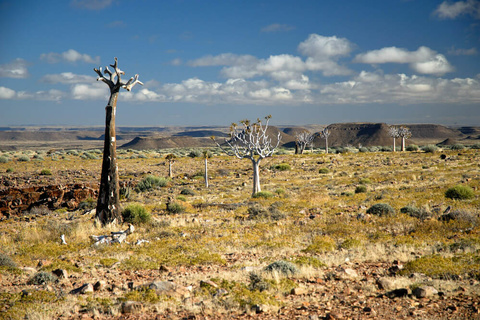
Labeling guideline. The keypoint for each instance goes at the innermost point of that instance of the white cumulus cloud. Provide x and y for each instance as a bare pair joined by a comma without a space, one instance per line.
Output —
451,10
69,56
7,93
96,91
424,60
14,69
67,78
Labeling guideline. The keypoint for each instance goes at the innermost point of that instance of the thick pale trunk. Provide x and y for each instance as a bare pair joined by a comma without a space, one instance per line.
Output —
108,205
394,145
206,173
256,176
326,145
170,173
403,144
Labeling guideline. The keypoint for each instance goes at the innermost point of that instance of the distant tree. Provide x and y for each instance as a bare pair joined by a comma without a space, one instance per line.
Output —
108,205
302,140
393,132
404,133
206,155
171,160
325,133
251,141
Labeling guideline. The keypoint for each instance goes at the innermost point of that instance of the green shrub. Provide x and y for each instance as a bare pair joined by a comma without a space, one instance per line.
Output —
42,277
181,198
381,209
363,149
187,192
136,214
412,147
195,154
361,189
323,170
263,194
431,148
457,147
415,212
460,192
365,181
24,158
175,208
475,146
282,167
9,170
45,172
283,267
350,243
309,261
150,182
257,212
4,159
257,282
320,244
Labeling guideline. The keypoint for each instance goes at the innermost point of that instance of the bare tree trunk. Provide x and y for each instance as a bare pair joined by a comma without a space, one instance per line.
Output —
256,176
403,144
394,144
326,145
108,205
206,172
296,148
170,173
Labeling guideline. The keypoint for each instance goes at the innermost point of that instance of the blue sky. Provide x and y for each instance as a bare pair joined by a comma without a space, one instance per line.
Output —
215,62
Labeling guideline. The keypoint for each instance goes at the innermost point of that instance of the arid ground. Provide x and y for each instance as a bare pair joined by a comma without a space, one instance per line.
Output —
353,235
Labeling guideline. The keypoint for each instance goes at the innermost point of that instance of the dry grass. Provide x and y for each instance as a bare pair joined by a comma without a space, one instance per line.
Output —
323,221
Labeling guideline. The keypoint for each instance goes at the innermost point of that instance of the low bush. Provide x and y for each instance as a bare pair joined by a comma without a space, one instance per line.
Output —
457,147
263,194
87,204
361,189
42,277
282,167
323,170
381,209
431,148
321,244
4,159
257,282
187,192
460,192
6,261
284,267
195,154
151,182
175,208
45,172
23,158
136,214
412,148
257,212
415,212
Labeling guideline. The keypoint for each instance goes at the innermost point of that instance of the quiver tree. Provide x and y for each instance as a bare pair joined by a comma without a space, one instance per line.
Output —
393,132
404,133
206,154
171,160
325,133
108,206
251,141
302,140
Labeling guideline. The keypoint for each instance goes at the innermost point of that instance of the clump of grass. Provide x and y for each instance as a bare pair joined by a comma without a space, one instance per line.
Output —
323,171
257,282
9,170
412,148
175,208
87,204
42,277
308,261
460,192
4,159
365,181
351,243
108,262
282,167
381,209
45,172
415,212
263,194
6,261
151,182
436,266
321,244
136,214
457,147
195,154
361,189
257,212
284,267
23,158
143,295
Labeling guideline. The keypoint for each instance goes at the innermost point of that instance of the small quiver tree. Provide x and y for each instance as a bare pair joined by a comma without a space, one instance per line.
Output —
108,205
251,141
206,154
325,133
404,133
302,140
393,132
171,160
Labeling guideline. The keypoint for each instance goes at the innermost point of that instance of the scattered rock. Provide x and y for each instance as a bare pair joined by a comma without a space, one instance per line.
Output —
424,292
208,283
397,293
99,285
333,316
86,288
298,291
60,273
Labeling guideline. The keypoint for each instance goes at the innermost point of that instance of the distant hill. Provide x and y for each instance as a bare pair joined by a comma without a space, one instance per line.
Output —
201,133
141,143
